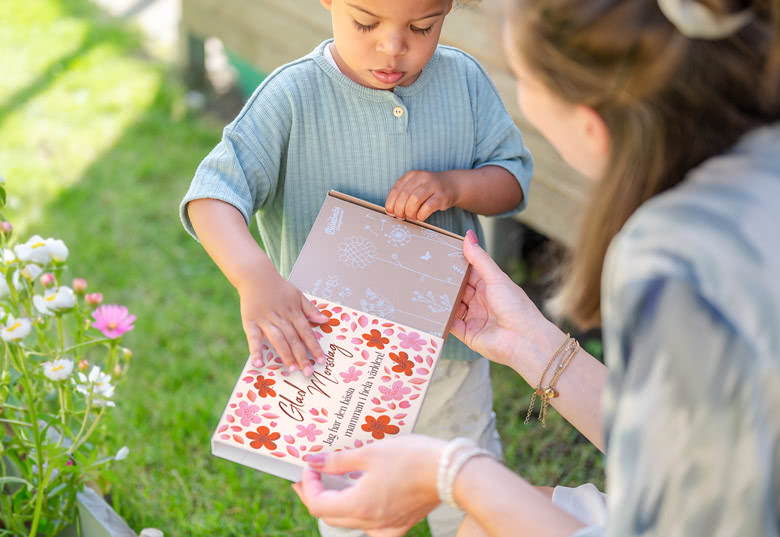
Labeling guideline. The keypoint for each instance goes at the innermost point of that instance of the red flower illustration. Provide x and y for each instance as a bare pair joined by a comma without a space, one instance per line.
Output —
263,386
331,323
375,339
402,363
264,438
378,427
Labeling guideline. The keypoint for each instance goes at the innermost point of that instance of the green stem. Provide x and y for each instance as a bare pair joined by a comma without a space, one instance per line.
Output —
89,432
86,343
59,333
38,444
112,356
62,408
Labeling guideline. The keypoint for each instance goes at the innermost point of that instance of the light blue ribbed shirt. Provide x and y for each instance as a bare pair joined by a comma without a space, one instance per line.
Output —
308,129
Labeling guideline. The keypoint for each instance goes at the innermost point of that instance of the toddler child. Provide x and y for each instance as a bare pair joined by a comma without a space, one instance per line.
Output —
384,113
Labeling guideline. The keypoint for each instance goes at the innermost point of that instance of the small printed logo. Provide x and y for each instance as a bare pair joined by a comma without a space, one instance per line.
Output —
334,222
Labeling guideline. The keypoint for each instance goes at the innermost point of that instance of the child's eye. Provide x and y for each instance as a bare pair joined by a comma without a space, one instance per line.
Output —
422,31
364,27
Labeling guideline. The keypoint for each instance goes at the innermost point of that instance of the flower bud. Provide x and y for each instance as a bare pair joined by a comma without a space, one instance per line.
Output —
127,353
6,228
94,299
48,279
83,365
117,370
79,285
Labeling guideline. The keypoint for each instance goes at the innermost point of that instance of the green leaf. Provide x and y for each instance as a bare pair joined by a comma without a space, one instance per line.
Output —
4,480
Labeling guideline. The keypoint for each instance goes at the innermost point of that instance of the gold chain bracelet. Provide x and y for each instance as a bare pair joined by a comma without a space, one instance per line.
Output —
549,391
539,390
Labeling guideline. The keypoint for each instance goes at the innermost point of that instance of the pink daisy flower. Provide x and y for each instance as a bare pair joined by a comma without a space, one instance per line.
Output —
113,320
397,391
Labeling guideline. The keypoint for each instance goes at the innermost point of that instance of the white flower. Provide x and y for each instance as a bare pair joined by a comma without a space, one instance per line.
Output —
31,271
57,249
8,256
17,280
15,328
58,369
35,250
100,385
55,300
121,454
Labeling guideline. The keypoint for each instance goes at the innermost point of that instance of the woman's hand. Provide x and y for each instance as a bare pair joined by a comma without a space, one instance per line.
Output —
495,317
396,490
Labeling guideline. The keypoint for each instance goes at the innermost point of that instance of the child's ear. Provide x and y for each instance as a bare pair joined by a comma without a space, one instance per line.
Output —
449,7
327,4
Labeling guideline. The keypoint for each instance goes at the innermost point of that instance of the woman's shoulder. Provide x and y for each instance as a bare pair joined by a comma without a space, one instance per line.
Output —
717,230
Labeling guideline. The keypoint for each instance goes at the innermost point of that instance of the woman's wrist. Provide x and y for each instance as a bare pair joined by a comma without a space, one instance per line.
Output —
533,352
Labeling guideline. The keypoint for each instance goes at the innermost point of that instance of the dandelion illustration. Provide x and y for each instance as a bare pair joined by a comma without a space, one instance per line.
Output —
399,236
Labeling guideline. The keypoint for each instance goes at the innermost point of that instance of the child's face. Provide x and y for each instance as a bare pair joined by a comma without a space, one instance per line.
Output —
385,43
577,132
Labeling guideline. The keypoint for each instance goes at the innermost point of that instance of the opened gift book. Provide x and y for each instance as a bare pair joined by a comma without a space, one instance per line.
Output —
389,289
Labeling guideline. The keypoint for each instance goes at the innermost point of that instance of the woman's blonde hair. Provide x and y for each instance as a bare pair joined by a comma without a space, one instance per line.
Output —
669,103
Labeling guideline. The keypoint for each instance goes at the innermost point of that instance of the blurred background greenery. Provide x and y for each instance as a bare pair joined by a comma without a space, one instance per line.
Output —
98,145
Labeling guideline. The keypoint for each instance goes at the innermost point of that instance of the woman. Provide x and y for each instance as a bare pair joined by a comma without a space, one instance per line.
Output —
673,108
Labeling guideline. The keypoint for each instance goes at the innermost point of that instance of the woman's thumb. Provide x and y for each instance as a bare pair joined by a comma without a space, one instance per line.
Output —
479,258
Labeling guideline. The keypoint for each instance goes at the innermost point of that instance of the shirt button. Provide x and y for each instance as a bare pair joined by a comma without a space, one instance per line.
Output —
398,111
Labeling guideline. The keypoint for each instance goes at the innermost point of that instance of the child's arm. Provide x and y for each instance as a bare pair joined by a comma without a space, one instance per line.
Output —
488,190
271,307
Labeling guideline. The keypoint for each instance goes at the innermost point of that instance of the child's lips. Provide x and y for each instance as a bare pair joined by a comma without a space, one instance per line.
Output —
387,76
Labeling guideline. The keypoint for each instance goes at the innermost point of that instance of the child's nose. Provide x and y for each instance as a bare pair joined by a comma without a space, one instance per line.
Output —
392,44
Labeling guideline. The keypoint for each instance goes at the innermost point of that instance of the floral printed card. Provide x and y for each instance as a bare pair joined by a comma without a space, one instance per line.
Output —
407,272
370,388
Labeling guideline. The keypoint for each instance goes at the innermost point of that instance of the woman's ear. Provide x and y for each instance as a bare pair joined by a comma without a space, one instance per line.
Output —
327,4
593,132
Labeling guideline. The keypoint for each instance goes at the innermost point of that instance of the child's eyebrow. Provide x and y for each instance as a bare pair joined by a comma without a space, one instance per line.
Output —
367,12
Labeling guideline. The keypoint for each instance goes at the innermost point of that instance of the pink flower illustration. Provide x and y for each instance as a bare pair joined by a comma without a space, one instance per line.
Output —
248,413
308,432
412,340
396,391
113,320
351,375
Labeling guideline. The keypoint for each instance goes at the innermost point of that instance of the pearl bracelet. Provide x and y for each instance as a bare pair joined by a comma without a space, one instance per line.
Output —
464,449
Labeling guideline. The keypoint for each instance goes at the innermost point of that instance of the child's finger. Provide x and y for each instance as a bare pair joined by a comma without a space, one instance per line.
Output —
311,312
415,200
392,196
297,349
254,339
309,342
434,203
279,341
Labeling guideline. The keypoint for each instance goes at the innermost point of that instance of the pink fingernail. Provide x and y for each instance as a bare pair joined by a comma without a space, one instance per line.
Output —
321,360
258,362
317,460
292,368
307,371
470,235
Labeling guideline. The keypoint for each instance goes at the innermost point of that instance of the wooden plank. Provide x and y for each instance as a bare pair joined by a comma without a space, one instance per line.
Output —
269,33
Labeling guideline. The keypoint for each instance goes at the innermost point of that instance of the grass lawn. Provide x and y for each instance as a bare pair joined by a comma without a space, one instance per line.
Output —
97,148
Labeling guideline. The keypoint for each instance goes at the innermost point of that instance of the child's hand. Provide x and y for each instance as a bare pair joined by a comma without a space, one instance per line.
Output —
275,310
419,193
